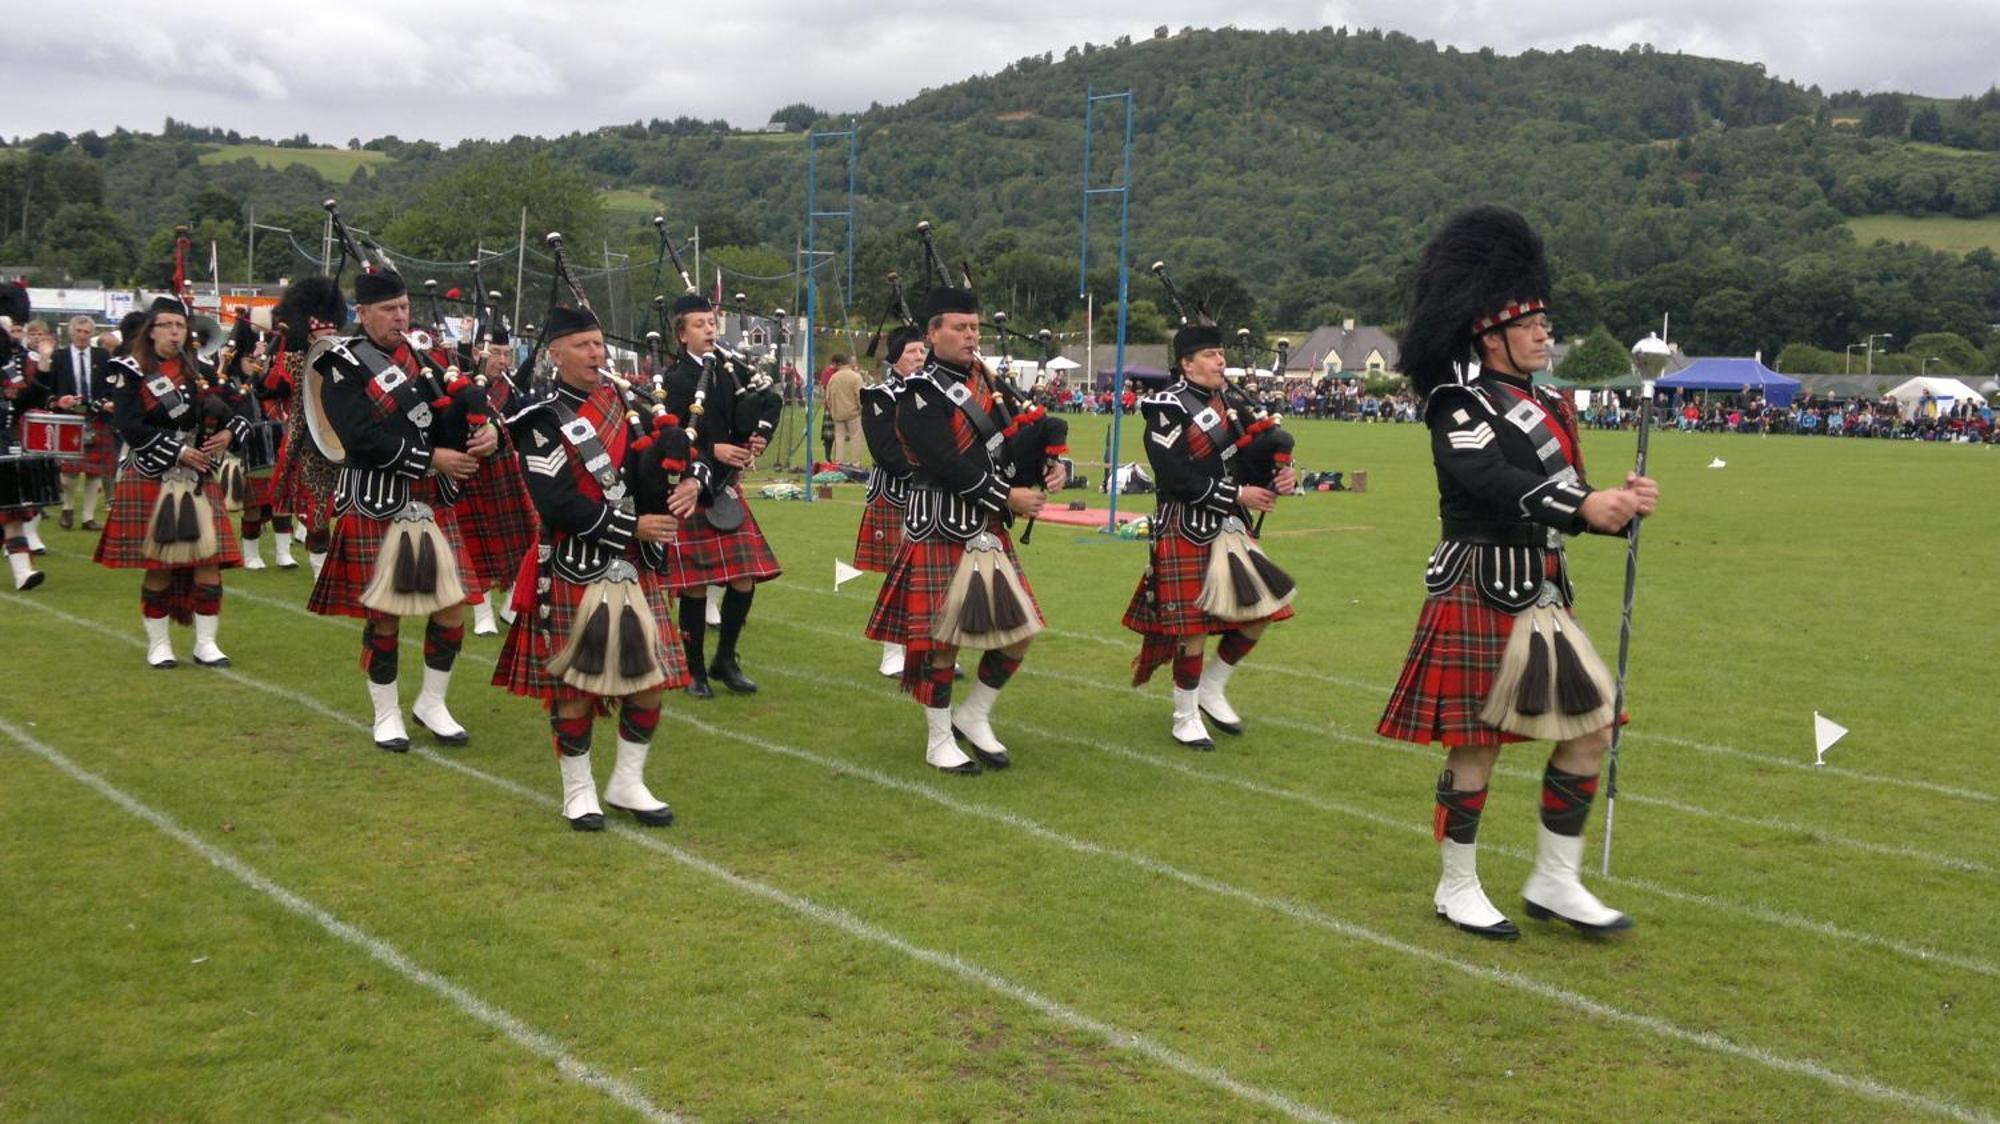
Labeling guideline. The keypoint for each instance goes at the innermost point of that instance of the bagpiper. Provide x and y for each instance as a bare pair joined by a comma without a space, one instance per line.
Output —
881,532
1498,656
593,626
720,544
167,511
956,581
378,409
309,317
1206,575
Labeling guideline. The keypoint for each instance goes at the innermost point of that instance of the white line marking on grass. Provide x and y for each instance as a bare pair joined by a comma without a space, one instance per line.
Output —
1762,823
1783,918
516,1031
830,916
1130,643
1707,1040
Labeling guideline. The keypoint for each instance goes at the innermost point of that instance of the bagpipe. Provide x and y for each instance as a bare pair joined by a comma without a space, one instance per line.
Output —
758,417
1031,434
1242,583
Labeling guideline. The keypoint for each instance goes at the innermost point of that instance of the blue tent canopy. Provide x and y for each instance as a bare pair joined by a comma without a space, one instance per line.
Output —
1732,376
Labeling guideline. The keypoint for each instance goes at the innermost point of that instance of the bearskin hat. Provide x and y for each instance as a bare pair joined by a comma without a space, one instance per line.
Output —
1484,269
306,301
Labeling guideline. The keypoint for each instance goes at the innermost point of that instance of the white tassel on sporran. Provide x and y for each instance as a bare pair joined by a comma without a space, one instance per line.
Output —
612,649
181,529
1552,685
235,483
416,571
986,606
1242,583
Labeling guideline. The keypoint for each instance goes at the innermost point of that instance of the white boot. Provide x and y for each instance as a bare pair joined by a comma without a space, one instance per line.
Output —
892,660
317,559
253,554
713,613
159,641
1188,729
971,721
1462,901
627,790
25,574
580,793
206,654
1213,702
429,709
482,618
281,543
389,732
941,751
506,599
34,533
1554,889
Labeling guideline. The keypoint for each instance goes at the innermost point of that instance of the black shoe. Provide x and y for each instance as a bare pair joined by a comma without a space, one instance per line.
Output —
698,688
1226,727
1504,930
223,662
1206,745
460,738
92,525
589,821
394,745
38,550
731,675
659,817
1543,913
35,578
969,769
998,760
66,520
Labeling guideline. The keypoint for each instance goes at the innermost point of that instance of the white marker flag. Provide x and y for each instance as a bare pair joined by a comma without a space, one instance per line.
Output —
842,574
1825,732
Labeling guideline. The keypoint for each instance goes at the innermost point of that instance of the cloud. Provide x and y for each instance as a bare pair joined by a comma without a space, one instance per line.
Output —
450,69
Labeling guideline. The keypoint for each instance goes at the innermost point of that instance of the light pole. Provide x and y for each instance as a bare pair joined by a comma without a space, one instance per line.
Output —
1849,369
1925,368
250,268
1871,347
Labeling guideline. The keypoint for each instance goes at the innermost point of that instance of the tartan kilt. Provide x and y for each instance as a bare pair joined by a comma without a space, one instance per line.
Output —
1168,599
914,591
1453,659
881,533
302,483
497,518
707,556
100,450
524,657
357,540
122,545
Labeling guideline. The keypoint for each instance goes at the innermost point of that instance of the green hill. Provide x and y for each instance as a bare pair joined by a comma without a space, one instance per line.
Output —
335,164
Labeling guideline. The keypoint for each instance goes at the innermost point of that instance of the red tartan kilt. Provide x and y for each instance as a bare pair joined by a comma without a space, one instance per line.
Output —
122,546
498,520
1459,642
259,491
100,451
357,540
524,658
880,535
706,556
303,480
918,581
1179,569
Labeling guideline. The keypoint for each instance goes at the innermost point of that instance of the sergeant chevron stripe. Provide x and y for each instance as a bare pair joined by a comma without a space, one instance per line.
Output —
1478,437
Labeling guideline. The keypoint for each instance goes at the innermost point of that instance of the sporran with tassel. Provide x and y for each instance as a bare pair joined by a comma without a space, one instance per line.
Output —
613,647
1242,583
181,529
985,606
1551,685
416,571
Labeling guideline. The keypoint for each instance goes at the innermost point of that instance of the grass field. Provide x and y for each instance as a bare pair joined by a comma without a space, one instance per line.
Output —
335,164
628,201
1939,232
224,904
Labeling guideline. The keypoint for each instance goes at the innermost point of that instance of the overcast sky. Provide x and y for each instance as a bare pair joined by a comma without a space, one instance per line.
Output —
448,69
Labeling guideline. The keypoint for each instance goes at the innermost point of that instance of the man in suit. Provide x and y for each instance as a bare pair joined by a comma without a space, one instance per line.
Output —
76,384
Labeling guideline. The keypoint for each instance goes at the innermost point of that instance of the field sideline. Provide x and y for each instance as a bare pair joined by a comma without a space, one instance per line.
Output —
226,905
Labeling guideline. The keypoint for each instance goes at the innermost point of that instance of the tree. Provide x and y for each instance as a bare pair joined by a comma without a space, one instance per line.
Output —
1954,353
796,117
1599,358
481,200
1927,124
87,241
1884,115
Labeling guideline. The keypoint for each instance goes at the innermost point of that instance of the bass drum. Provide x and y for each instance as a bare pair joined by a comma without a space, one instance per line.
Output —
30,480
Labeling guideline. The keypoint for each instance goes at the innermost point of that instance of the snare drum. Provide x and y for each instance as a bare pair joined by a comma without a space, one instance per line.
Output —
260,448
53,434
30,480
